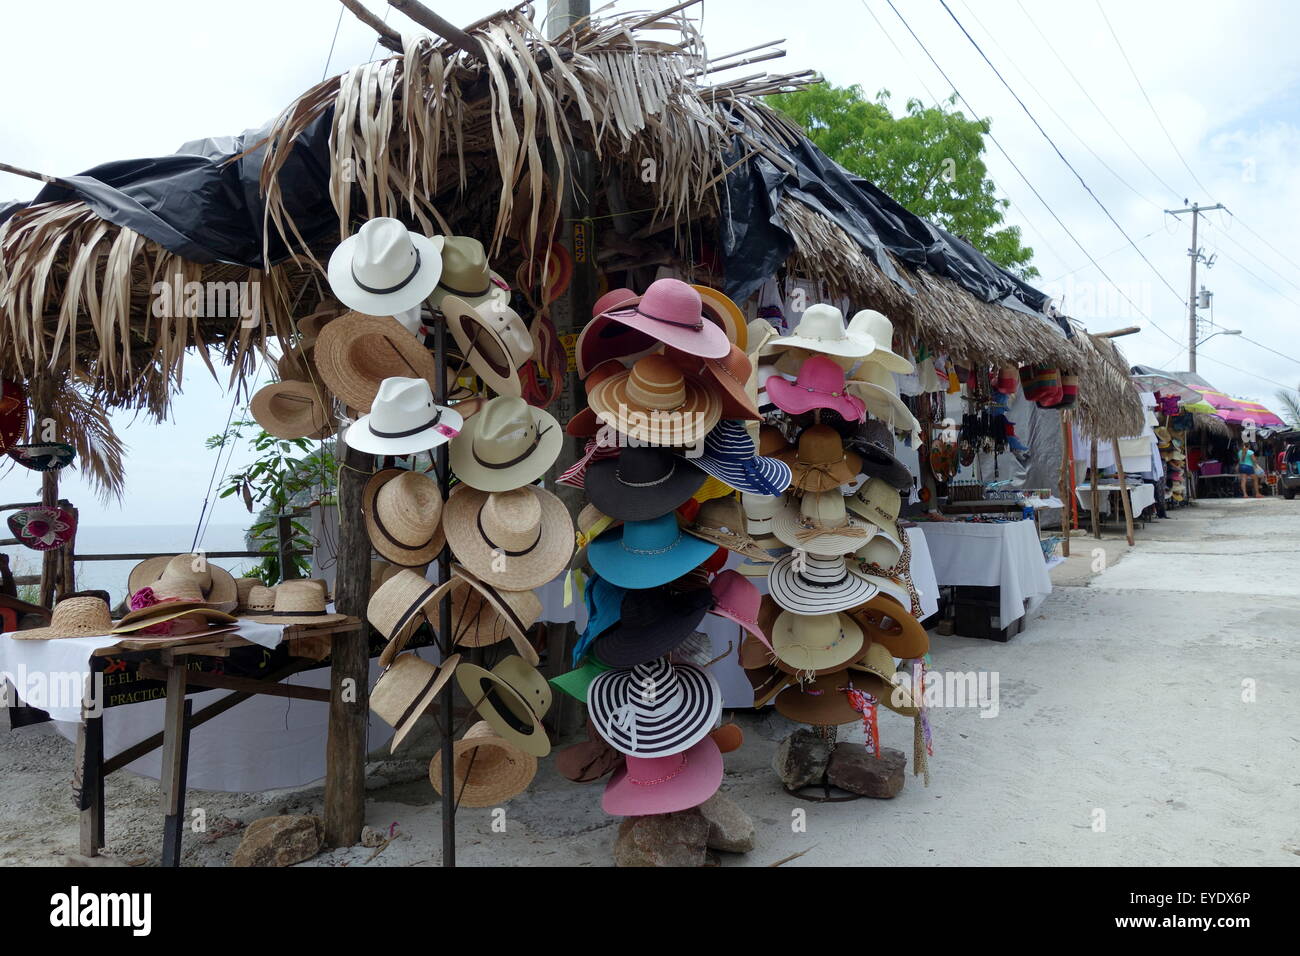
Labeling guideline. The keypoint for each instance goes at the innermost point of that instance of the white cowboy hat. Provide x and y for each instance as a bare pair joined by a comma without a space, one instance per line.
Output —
403,420
493,339
873,326
875,385
385,268
821,329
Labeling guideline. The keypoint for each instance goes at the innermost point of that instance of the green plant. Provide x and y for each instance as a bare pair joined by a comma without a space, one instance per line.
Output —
286,474
1290,406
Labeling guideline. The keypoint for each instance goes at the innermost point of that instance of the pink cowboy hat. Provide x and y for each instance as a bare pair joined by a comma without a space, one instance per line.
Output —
736,598
820,385
648,785
673,313
603,339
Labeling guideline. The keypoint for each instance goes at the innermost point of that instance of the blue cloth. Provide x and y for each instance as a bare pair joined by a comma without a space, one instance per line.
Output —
604,606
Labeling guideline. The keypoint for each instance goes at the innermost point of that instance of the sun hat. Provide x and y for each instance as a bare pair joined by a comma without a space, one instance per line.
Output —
810,643
291,410
299,602
821,702
820,385
730,457
42,529
397,609
588,760
821,462
655,709
591,524
760,517
72,617
883,549
402,511
465,274
737,599
877,501
483,615
603,339
652,622
604,603
884,621
492,338
724,313
652,785
244,588
356,352
403,420
730,374
646,554
817,584
517,539
43,456
512,697
656,403
186,575
875,675
642,482
507,445
259,599
870,325
875,386
721,521
877,461
819,522
13,413
385,268
169,610
487,769
821,330
673,313
406,690
585,424
759,334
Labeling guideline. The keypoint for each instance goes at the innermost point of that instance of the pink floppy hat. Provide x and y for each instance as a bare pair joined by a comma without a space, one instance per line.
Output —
820,385
649,785
673,313
603,339
736,598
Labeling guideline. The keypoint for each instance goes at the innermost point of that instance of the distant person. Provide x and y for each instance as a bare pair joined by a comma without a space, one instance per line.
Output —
1247,468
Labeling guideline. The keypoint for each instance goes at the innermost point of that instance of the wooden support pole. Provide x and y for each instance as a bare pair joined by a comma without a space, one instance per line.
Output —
436,24
1067,482
1094,505
172,778
1123,493
388,37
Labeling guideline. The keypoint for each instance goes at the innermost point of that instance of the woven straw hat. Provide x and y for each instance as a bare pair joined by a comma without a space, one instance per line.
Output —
876,500
722,521
356,352
811,644
818,522
72,617
493,339
821,701
398,608
516,539
260,599
244,586
656,403
293,365
181,572
483,615
820,462
172,611
512,697
299,602
406,690
507,445
381,571
292,409
403,512
488,770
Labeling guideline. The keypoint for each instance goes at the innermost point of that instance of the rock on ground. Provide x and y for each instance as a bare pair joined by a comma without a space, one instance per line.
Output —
801,759
666,839
853,769
280,841
730,828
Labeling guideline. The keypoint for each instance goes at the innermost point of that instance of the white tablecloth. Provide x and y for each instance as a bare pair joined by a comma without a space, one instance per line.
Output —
1140,496
1005,555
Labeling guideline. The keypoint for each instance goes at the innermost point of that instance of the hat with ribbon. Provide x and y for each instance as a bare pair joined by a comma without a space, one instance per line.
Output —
492,338
42,529
821,330
818,522
398,608
673,313
575,476
655,709
385,268
821,462
736,598
760,517
517,539
884,621
656,403
299,602
876,500
882,549
507,445
486,769
43,456
820,385
817,584
813,643
406,690
821,702
730,374
356,352
646,554
642,482
483,615
292,410
603,339
651,624
188,577
876,675
512,697
870,325
651,785
403,511
730,457
171,610
403,420
466,275
721,521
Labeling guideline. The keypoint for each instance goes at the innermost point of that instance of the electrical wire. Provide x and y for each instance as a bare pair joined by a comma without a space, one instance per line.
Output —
329,56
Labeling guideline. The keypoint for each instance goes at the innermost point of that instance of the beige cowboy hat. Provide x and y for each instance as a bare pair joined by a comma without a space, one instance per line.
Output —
492,338
466,275
403,512
487,769
821,330
517,539
172,611
299,602
189,577
483,615
397,609
406,690
512,697
72,617
292,409
507,445
355,353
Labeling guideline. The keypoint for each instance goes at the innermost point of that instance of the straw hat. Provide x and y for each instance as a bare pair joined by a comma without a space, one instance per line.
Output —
821,330
819,522
517,539
244,587
875,386
885,622
870,325
406,690
585,424
403,420
403,512
295,364
397,609
721,521
492,338
483,615
592,523
356,352
72,617
507,445
309,326
260,599
487,769
656,403
299,602
817,642
821,701
178,575
381,571
465,274
877,501
821,462
728,374
292,409
384,268
875,675
883,550
172,611
512,697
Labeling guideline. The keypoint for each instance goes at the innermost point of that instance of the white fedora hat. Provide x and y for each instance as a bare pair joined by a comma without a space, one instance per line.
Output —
821,329
493,339
385,268
403,420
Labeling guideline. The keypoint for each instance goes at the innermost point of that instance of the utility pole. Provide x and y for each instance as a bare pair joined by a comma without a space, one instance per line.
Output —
1195,253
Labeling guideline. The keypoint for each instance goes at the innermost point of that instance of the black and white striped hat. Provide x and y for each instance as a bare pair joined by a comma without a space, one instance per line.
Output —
656,709
817,584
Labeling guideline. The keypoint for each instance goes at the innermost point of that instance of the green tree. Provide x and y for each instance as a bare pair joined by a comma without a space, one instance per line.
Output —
1290,406
929,160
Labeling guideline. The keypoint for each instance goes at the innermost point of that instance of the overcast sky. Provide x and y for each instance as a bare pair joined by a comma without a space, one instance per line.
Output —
139,77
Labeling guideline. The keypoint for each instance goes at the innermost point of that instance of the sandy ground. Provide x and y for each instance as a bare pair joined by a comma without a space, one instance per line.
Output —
1148,715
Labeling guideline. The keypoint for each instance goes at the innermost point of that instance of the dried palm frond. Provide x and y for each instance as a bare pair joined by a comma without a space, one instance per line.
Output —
82,420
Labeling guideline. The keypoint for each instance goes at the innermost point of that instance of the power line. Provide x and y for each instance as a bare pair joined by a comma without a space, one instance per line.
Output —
1105,255
1226,235
1244,225
329,56
1269,348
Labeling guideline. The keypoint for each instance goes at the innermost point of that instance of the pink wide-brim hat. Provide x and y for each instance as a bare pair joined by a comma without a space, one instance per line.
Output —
820,385
644,786
736,598
673,313
603,339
